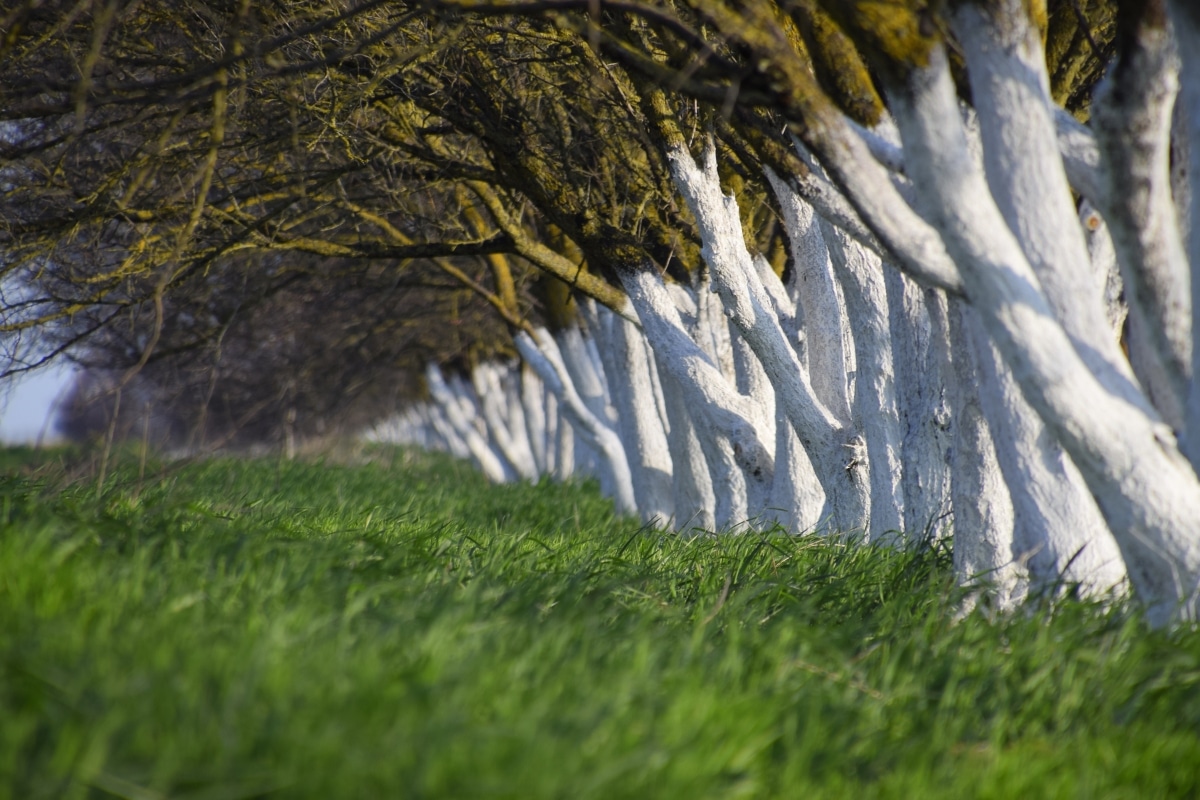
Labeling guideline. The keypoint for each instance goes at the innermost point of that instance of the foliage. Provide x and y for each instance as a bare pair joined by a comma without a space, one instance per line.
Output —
161,160
315,346
249,628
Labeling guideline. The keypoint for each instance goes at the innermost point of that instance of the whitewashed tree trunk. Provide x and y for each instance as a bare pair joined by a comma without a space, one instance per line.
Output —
1105,272
470,408
731,490
564,439
1185,17
710,330
832,444
813,288
1131,115
983,512
797,500
1148,493
693,498
534,404
784,307
588,379
461,422
1024,170
545,358
1025,174
860,274
920,351
638,421
1059,533
455,444
505,419
735,449
752,382
1181,152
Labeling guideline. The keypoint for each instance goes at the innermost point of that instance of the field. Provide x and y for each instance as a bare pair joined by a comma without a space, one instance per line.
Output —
399,628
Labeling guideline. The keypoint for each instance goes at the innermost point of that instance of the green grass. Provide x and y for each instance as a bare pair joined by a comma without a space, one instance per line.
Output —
246,629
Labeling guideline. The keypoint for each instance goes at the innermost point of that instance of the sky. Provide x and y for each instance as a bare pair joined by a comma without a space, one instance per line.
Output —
27,403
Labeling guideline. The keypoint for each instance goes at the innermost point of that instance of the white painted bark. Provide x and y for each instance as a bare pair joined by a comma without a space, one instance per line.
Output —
1146,489
1185,17
545,358
731,487
564,439
724,420
471,406
1131,115
588,381
695,498
660,400
860,274
901,232
1181,152
1059,534
1080,156
752,382
731,490
692,496
816,190
1059,529
536,413
784,306
600,347
734,492
684,298
463,425
454,443
638,422
920,352
1011,93
883,147
505,418
826,438
711,330
510,381
597,361
983,512
1105,272
813,288
797,500
413,427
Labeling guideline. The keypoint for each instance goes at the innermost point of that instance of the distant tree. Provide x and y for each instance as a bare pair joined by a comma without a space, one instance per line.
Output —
320,347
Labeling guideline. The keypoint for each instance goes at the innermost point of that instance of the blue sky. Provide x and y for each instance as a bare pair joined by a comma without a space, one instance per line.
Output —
26,404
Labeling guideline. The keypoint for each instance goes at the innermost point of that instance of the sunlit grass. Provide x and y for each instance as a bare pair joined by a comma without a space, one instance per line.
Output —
403,629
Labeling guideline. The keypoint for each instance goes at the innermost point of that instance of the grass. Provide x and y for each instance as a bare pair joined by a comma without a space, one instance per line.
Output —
243,629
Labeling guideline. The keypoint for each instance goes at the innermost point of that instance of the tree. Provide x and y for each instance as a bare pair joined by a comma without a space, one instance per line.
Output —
910,321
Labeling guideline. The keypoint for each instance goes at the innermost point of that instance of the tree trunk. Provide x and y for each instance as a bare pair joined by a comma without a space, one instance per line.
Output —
1148,493
545,358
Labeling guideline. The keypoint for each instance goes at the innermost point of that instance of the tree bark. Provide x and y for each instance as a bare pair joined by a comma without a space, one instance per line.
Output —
544,357
1147,491
983,512
1131,115
831,443
461,423
860,274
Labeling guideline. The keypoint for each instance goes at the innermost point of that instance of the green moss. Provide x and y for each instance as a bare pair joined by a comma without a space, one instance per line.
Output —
839,67
1079,42
901,34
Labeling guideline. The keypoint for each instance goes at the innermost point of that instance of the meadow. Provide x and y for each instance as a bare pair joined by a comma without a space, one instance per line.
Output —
400,628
